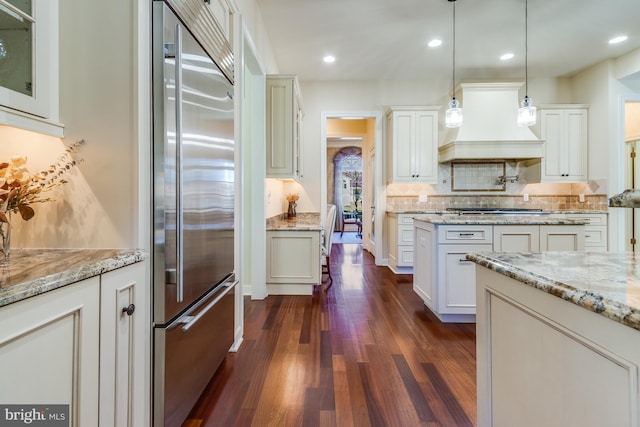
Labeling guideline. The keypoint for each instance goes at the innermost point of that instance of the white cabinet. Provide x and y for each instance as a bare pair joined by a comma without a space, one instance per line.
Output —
124,344
76,346
412,144
401,242
562,238
424,277
29,66
49,350
284,128
595,232
564,129
293,261
516,238
533,351
443,278
446,281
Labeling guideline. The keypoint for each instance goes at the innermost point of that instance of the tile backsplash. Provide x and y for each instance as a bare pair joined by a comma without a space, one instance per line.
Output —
594,202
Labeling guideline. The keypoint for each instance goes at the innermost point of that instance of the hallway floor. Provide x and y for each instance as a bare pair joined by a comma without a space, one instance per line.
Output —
362,352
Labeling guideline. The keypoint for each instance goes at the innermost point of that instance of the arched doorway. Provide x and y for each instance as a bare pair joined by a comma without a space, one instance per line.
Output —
347,187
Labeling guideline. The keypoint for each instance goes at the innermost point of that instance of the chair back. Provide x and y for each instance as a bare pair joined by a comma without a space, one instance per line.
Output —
329,226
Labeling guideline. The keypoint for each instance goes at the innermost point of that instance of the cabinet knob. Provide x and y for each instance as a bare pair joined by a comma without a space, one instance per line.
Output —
129,309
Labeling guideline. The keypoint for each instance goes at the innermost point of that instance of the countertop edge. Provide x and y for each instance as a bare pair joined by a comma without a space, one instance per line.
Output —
587,299
69,276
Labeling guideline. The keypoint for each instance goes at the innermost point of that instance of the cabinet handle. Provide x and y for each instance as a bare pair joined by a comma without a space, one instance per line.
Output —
587,235
129,309
464,260
465,234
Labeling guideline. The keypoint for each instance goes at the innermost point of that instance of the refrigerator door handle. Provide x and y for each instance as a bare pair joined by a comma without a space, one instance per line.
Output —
179,181
189,321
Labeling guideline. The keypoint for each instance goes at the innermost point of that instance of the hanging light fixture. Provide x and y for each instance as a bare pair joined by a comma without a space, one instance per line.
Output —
453,115
526,112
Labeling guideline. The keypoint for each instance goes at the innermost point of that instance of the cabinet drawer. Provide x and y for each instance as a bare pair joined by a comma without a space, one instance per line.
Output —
404,219
465,234
405,235
595,236
594,219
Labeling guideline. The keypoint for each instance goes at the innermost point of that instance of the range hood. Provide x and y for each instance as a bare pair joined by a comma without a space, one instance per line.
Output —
490,130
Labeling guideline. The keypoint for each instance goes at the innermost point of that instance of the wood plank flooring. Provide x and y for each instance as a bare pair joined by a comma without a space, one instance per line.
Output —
362,352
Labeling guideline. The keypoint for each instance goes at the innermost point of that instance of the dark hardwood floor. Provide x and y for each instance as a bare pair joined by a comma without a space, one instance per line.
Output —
363,352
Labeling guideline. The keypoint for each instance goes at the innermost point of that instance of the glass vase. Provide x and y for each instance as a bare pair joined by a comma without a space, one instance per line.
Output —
291,212
5,237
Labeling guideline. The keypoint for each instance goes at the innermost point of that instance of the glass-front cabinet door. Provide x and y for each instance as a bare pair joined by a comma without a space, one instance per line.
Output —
28,51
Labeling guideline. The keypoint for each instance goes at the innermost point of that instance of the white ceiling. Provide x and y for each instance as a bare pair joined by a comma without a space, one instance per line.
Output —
387,39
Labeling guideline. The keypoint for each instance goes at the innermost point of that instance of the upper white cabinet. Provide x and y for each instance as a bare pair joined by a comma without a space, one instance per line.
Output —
29,65
284,127
412,144
564,128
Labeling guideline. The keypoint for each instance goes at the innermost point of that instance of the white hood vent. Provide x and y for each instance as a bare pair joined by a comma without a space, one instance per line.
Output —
490,130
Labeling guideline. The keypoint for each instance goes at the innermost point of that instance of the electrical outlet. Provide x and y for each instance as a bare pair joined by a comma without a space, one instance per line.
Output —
525,197
422,198
581,198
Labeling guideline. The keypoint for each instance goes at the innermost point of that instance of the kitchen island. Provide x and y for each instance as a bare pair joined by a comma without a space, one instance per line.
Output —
445,279
558,339
293,254
76,333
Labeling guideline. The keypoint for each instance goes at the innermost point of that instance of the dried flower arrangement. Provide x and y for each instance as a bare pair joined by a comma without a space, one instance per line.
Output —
292,197
19,188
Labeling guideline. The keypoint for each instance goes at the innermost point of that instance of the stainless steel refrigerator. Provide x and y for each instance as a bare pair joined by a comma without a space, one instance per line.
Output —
193,217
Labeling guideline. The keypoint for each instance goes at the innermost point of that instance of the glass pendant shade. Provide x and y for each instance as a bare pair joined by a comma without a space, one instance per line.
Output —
526,113
453,115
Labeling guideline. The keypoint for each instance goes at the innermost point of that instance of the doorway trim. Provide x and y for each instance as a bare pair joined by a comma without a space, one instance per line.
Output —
380,194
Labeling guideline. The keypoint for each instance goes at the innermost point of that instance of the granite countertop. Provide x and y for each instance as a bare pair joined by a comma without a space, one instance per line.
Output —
455,219
303,222
29,272
440,212
606,283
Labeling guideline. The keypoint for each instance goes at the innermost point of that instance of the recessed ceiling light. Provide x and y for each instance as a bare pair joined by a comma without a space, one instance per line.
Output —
435,43
506,56
329,59
618,39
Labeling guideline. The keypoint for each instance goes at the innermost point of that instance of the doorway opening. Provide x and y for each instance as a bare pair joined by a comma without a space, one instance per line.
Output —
351,175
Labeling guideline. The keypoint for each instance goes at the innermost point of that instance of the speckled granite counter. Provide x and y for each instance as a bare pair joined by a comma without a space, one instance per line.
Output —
29,272
498,220
303,222
605,283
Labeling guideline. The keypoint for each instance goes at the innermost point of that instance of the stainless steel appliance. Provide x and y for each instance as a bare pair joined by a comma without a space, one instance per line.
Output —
193,217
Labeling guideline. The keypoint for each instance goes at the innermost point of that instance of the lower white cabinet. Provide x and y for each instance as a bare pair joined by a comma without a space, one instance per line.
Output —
400,242
446,281
543,361
124,344
595,232
49,350
76,346
293,261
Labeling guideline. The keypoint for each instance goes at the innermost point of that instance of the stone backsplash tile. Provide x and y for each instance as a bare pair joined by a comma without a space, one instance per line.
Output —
595,202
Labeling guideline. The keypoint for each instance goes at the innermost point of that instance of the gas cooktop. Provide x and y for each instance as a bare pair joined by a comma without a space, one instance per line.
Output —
496,211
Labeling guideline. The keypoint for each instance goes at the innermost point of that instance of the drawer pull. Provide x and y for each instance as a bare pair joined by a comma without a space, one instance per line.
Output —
466,234
129,309
464,260
587,235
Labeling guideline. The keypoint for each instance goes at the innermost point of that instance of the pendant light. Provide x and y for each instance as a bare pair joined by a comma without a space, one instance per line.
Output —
526,112
453,115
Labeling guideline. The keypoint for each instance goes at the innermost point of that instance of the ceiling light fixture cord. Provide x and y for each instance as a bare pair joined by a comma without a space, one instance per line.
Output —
453,82
526,48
